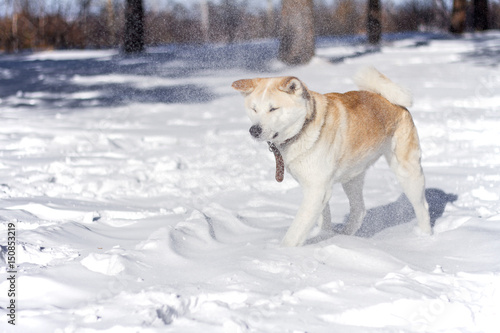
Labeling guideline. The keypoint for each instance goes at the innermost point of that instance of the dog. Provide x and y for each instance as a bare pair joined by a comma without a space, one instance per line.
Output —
331,138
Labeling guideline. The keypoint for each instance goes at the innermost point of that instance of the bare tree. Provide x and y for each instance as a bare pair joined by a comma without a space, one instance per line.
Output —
458,16
205,20
84,15
270,21
10,35
481,15
134,26
440,13
374,22
110,22
296,32
231,19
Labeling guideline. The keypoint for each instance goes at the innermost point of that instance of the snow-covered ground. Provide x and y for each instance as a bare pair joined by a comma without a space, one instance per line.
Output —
141,203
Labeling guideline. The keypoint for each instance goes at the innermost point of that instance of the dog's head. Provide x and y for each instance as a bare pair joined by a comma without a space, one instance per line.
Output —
277,107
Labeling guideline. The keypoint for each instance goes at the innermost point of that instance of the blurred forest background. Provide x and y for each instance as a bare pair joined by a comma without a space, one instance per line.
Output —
55,24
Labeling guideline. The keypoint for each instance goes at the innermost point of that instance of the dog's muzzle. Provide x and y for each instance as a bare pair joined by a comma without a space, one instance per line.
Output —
256,131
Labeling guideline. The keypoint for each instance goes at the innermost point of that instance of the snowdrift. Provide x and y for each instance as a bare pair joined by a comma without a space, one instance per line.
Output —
141,204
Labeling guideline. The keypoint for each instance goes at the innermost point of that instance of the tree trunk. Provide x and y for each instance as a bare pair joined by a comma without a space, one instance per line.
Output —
441,16
374,22
296,32
231,19
15,35
458,16
205,21
110,23
134,27
270,22
481,15
84,13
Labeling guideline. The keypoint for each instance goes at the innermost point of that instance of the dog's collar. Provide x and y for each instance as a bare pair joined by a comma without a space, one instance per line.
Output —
280,165
306,122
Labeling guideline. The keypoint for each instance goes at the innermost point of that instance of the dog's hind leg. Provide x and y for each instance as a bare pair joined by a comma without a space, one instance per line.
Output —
404,159
325,219
354,191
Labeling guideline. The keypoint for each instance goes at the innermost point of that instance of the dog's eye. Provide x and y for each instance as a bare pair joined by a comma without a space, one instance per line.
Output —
254,110
273,109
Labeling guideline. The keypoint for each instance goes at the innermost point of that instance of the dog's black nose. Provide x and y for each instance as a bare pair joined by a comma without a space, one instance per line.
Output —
256,131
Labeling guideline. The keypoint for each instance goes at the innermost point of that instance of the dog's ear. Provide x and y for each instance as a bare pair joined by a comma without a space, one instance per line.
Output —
245,86
291,85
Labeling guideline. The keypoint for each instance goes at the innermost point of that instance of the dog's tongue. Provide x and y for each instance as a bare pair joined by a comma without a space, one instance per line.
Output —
280,165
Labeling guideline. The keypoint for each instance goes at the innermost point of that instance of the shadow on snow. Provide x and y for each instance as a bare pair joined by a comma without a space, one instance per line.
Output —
399,212
486,49
25,82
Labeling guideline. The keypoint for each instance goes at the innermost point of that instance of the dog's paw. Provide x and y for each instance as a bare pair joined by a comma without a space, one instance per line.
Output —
348,229
423,231
290,242
286,243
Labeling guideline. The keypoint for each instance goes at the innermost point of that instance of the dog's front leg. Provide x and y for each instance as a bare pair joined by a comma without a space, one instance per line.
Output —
315,198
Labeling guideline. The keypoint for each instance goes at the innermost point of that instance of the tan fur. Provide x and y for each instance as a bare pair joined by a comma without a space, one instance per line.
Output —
370,118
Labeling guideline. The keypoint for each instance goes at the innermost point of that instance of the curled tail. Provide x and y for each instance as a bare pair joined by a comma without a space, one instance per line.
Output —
370,79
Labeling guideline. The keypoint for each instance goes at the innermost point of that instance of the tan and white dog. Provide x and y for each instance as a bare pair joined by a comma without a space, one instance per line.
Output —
330,138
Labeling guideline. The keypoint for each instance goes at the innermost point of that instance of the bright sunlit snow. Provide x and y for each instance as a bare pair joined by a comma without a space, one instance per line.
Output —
141,203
